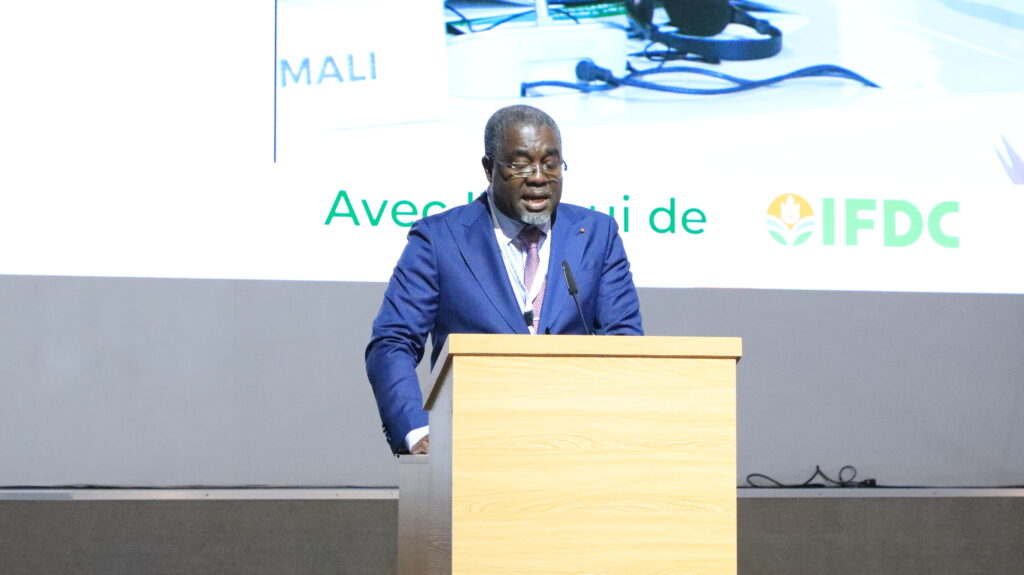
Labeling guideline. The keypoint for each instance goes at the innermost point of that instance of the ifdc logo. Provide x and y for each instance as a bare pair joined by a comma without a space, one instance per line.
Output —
790,220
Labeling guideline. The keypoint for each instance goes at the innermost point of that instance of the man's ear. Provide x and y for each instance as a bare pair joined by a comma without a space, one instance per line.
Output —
488,167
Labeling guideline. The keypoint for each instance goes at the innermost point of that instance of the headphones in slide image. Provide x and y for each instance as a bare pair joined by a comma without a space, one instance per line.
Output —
696,21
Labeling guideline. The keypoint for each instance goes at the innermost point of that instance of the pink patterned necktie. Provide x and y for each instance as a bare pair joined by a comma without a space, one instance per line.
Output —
530,238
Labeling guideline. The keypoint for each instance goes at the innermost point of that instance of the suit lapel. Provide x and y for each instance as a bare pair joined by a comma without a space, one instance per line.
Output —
567,244
474,235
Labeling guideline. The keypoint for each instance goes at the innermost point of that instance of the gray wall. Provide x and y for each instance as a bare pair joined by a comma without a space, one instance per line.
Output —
909,388
171,382
157,382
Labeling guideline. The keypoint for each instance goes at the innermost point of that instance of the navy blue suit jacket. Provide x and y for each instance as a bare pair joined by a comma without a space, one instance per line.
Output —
451,279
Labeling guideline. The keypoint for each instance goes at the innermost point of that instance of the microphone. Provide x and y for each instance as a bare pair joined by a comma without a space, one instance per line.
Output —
571,284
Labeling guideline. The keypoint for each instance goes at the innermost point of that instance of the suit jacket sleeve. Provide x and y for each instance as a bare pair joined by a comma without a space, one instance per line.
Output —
618,307
399,336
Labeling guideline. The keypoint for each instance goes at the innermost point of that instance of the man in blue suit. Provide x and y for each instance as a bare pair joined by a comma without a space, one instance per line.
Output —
480,268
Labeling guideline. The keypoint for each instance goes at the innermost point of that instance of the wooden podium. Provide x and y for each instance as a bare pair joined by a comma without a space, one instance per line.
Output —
575,454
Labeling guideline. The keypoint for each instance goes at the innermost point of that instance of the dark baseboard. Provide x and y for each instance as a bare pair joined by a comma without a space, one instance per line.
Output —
247,537
792,536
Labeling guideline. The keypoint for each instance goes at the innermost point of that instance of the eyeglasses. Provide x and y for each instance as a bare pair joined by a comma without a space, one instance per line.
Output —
550,168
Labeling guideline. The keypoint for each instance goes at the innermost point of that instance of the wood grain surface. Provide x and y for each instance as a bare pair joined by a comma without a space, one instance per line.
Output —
576,454
593,465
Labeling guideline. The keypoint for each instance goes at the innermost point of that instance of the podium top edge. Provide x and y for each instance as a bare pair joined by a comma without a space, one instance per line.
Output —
594,346
521,345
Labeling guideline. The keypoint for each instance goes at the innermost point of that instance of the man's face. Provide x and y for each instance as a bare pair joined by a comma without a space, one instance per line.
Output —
526,177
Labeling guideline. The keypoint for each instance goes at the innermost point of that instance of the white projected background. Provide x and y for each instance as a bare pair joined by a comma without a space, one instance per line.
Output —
161,161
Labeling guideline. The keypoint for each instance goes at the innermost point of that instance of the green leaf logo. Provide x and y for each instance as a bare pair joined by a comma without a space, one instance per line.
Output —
791,220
